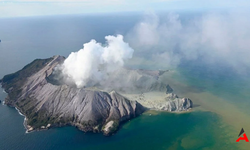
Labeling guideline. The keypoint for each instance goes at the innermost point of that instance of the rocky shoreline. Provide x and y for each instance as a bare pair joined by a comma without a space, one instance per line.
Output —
45,105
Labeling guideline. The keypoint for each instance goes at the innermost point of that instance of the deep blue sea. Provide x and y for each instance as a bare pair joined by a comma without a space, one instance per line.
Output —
222,99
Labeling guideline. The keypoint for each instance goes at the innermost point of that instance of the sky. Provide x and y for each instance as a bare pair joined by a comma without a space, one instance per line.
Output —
20,8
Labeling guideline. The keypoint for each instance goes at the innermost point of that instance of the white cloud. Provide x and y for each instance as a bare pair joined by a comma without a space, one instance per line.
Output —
217,38
95,62
55,7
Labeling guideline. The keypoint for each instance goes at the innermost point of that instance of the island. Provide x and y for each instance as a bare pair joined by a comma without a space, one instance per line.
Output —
46,103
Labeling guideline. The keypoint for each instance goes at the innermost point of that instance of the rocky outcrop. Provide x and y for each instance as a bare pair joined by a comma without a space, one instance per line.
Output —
110,127
46,105
48,102
169,89
176,104
158,100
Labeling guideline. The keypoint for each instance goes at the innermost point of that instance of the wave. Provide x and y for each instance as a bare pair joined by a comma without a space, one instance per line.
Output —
4,91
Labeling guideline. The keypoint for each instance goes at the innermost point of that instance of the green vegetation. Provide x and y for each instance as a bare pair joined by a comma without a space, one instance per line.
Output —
41,118
115,126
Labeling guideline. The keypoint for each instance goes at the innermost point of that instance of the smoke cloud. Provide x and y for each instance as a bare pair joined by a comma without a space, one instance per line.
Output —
212,38
161,43
95,61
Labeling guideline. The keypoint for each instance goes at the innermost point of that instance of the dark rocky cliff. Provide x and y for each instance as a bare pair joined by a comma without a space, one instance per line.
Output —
47,102
46,105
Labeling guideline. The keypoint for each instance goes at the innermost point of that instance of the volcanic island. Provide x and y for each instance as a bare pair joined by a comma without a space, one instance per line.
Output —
46,102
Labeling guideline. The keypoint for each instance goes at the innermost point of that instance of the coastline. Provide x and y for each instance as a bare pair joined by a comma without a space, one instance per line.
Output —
19,112
24,121
28,128
149,112
3,101
4,91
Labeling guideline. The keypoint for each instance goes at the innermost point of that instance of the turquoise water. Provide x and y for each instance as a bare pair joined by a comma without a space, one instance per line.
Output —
25,39
194,130
224,83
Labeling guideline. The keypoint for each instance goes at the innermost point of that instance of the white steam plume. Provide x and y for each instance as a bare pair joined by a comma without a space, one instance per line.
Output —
95,61
214,38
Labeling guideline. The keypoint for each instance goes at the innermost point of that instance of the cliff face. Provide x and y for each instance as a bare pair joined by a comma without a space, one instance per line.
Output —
46,102
174,103
158,100
46,105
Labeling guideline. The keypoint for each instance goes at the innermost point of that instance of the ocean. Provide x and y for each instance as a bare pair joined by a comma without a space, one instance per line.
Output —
221,99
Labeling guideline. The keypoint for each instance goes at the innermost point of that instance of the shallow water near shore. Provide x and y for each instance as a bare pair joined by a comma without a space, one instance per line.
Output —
214,123
198,129
223,95
152,130
221,103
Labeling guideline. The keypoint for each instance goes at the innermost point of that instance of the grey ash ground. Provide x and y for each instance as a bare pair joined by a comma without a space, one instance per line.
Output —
47,104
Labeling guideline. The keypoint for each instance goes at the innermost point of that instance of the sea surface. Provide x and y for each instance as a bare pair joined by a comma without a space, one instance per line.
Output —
221,97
